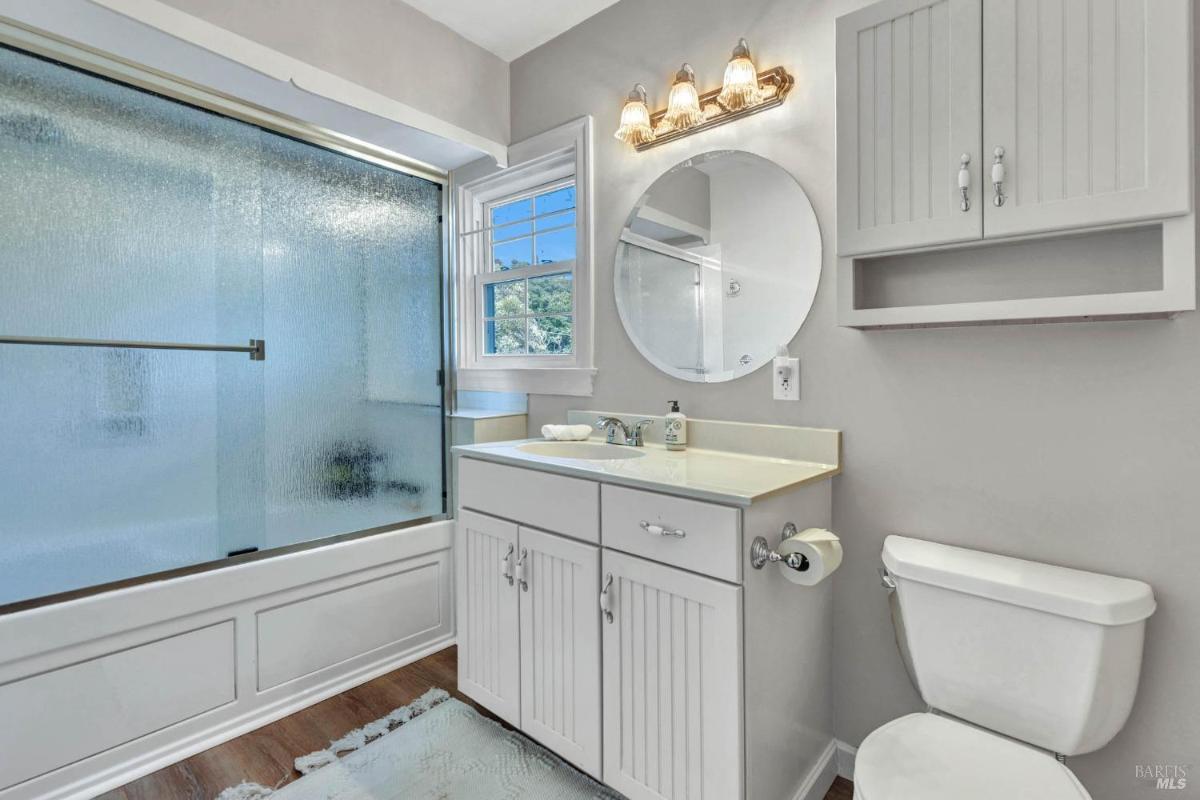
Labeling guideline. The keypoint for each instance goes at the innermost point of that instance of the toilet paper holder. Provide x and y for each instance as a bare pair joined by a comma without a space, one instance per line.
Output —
761,553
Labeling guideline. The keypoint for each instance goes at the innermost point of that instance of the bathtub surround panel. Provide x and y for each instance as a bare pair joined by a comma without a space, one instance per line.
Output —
1045,442
135,692
355,619
176,667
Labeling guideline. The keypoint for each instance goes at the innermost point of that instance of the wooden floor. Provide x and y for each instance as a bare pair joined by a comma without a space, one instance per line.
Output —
265,756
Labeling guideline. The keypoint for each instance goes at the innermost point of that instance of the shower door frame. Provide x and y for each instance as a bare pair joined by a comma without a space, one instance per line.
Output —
72,54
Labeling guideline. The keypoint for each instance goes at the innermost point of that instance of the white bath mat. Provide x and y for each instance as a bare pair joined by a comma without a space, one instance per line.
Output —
438,749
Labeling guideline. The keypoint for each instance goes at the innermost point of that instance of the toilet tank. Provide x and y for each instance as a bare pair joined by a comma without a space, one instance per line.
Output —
1044,654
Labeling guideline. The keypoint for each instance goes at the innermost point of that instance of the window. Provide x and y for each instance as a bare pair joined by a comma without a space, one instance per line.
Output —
523,262
528,298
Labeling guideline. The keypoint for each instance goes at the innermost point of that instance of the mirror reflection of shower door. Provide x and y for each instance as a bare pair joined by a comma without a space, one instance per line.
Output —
666,302
131,217
675,298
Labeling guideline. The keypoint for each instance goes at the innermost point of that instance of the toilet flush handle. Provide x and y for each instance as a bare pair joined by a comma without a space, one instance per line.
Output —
886,579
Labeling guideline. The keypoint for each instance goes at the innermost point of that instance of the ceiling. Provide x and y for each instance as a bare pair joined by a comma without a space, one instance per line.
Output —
512,28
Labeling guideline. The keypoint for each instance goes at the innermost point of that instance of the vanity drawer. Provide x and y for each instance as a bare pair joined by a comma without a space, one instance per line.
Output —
555,503
711,543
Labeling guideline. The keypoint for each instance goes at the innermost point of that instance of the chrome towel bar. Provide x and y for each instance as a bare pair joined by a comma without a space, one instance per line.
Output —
257,347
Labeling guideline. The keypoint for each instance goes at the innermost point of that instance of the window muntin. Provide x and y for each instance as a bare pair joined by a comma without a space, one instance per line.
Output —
536,229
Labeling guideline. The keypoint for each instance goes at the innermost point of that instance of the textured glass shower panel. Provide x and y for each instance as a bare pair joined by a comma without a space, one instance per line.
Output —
113,464
124,216
129,216
352,259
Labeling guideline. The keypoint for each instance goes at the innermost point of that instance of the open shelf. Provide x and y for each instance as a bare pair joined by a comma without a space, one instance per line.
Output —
1143,271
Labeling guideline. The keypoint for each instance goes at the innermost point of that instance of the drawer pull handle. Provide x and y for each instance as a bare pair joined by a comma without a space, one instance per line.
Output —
605,599
659,530
521,570
506,565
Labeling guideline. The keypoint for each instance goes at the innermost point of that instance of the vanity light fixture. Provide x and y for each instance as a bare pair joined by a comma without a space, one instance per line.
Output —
683,105
740,88
635,118
743,92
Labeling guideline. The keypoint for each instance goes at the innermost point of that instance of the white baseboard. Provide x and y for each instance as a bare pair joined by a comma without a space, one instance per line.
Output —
845,760
821,776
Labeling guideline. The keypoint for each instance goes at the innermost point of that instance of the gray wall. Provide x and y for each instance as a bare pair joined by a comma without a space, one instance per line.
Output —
383,45
1074,444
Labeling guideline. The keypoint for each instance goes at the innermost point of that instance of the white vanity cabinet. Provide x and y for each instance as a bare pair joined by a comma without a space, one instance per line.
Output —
672,682
651,604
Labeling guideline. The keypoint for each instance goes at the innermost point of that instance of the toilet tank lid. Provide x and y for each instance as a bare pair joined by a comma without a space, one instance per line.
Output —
1088,596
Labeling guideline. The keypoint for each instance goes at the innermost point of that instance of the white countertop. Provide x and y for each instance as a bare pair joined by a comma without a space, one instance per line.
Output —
721,477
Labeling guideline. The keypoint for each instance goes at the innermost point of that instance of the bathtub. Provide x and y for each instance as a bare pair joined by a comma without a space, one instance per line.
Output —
100,690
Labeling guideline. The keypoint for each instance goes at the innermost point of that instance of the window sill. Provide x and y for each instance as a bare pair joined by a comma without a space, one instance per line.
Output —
571,381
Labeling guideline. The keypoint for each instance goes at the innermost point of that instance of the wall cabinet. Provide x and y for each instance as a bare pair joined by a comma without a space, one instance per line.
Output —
909,107
663,616
965,122
1087,106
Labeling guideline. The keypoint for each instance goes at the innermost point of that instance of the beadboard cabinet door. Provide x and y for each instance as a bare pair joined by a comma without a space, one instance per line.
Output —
489,657
672,682
909,107
560,646
1090,101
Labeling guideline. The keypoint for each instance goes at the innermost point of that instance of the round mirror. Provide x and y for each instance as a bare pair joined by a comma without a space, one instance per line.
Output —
717,266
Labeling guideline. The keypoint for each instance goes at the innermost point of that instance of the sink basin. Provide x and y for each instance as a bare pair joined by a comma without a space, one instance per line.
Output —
582,451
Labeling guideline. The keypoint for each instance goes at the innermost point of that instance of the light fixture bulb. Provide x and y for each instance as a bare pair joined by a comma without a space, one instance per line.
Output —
740,88
683,105
635,119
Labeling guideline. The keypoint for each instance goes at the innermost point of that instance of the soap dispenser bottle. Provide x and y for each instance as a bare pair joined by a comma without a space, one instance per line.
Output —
675,424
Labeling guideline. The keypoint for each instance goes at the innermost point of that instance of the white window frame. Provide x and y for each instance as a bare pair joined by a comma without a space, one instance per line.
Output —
556,157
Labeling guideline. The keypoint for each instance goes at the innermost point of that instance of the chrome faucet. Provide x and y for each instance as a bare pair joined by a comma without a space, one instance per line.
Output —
630,435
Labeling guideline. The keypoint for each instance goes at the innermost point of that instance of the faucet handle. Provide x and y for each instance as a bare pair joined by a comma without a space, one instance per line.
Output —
636,431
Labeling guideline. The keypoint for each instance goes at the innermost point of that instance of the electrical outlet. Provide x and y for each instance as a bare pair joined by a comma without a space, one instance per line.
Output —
786,378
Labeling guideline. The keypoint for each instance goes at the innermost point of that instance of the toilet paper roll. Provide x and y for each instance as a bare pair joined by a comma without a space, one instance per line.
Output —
822,549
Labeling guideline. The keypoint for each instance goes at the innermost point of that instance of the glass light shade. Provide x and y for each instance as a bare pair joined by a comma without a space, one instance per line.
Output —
683,105
740,87
635,119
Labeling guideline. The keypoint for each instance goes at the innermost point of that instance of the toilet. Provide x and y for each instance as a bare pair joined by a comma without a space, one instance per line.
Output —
1019,662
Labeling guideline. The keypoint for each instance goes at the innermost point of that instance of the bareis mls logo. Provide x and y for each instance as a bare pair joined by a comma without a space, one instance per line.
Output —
1163,776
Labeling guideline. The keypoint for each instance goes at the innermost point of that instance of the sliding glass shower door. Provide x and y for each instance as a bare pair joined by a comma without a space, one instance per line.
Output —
129,219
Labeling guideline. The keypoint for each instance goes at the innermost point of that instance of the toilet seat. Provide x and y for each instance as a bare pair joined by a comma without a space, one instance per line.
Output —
929,757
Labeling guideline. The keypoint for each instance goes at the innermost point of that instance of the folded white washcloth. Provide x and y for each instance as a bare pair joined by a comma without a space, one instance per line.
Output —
566,433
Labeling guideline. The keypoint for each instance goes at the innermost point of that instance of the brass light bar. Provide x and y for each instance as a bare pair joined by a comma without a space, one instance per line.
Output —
775,83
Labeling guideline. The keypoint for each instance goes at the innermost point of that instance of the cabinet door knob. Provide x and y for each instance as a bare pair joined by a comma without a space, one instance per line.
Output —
521,574
998,176
964,181
659,530
606,599
506,565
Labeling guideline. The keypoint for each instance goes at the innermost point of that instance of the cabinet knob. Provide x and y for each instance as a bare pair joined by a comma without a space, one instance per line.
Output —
964,181
521,574
998,176
606,599
506,565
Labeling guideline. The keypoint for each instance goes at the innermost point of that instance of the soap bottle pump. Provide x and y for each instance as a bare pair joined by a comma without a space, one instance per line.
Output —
675,424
